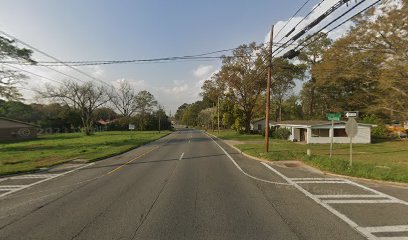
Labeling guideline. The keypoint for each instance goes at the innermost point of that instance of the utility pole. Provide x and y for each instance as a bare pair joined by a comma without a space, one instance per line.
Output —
268,92
218,110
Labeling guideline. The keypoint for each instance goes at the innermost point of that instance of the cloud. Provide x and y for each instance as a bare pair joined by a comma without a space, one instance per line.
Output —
136,84
203,70
319,10
97,72
178,87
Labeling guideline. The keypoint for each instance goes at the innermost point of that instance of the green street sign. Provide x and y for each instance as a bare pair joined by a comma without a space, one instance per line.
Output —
333,116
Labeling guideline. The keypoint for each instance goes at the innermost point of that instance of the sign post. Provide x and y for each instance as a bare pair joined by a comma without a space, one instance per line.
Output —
131,128
351,130
332,117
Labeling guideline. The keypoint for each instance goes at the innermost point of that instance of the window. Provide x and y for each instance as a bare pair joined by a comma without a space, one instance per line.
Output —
340,132
320,132
259,126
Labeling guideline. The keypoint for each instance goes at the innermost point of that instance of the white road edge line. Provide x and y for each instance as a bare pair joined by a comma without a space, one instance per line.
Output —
356,201
378,192
350,196
27,176
343,217
316,179
314,182
396,228
240,169
41,181
181,157
392,238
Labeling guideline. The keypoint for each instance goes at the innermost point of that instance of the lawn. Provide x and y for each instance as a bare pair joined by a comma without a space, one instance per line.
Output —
233,135
49,150
387,160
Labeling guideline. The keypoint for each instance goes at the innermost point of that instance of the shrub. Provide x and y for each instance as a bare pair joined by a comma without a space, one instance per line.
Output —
377,132
281,133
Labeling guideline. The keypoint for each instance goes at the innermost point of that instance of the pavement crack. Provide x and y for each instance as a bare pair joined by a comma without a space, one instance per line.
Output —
291,227
145,216
43,205
92,221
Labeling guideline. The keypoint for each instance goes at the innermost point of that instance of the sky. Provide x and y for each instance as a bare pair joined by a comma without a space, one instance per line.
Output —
75,30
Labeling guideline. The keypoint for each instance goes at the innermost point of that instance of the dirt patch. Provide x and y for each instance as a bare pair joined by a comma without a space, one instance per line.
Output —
292,164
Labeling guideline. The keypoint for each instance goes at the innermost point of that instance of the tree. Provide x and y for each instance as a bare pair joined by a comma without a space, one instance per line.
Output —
9,78
292,108
144,102
311,55
367,69
104,113
244,75
124,99
284,74
85,97
205,117
59,118
348,80
180,112
388,36
16,110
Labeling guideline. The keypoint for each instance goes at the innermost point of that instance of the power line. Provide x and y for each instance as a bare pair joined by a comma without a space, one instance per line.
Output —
48,55
291,53
152,60
337,26
35,74
314,23
287,22
294,28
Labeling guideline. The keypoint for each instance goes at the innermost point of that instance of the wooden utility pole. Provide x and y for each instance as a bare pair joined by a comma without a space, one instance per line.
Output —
268,92
218,114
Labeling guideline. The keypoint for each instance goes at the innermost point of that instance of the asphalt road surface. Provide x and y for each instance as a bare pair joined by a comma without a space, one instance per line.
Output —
189,186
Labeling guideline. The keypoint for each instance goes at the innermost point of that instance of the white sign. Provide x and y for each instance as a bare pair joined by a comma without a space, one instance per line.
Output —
131,126
351,128
351,114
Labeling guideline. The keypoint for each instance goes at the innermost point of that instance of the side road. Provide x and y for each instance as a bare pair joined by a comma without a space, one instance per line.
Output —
376,210
392,187
232,144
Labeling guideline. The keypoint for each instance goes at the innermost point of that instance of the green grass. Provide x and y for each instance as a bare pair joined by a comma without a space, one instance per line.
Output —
49,150
233,135
387,160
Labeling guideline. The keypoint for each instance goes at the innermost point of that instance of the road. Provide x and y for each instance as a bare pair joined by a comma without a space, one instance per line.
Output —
190,186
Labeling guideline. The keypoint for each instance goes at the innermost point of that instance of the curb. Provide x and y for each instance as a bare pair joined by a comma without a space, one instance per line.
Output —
394,184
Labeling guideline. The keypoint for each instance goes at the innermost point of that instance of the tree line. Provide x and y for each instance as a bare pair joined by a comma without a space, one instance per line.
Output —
365,70
74,105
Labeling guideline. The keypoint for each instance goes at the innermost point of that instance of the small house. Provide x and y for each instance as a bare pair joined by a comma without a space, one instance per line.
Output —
259,125
322,131
11,129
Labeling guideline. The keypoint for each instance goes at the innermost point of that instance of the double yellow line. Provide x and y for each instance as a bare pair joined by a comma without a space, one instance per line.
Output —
136,158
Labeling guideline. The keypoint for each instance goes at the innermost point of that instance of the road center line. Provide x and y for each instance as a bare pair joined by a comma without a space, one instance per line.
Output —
181,157
143,154
240,169
132,160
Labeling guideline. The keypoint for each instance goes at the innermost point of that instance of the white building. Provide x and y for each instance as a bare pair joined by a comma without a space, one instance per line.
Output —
259,125
321,131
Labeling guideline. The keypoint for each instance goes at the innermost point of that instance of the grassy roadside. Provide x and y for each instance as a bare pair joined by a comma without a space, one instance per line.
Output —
58,148
381,161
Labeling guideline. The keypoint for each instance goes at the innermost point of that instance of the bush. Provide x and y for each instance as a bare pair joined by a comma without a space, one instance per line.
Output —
381,130
281,133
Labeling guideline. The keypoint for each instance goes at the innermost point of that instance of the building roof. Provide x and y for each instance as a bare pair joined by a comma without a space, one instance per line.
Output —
16,122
